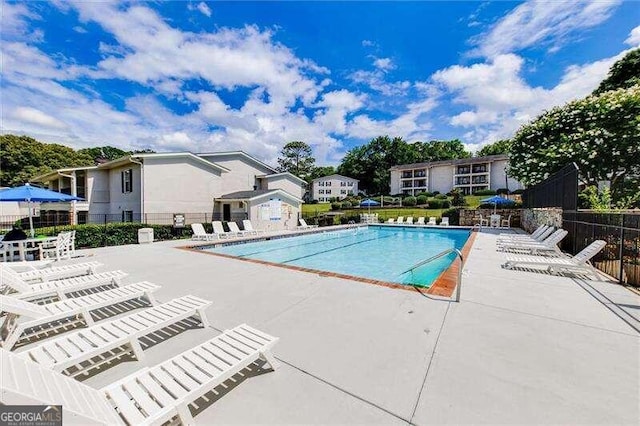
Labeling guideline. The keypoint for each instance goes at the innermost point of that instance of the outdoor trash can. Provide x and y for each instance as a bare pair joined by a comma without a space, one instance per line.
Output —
145,235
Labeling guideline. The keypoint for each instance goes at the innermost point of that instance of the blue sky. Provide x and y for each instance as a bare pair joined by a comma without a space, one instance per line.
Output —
211,76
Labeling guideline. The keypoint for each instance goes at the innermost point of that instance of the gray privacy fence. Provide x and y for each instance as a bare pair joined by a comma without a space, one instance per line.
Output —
621,256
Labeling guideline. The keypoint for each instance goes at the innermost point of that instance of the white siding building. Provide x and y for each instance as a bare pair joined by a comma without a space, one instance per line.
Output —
153,187
468,175
334,186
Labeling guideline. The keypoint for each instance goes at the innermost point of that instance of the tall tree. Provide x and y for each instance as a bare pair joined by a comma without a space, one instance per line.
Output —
599,133
502,146
321,171
22,158
101,153
438,150
296,158
623,74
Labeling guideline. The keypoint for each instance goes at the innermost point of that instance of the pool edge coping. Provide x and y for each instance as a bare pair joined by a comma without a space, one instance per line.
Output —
443,285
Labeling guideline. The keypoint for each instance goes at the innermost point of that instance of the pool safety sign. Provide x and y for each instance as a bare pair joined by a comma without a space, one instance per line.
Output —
275,209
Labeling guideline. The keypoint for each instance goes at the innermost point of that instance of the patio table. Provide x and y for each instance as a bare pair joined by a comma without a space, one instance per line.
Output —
494,220
23,247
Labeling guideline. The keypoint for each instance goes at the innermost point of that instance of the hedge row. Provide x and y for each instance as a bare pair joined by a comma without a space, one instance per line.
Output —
115,234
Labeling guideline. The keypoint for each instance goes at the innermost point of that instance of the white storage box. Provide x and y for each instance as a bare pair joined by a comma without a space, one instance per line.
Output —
145,235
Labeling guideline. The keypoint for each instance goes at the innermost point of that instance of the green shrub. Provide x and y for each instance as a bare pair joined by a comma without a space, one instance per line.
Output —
458,198
434,193
435,204
345,205
115,234
446,204
441,197
355,218
409,201
518,191
335,206
424,194
453,215
500,191
421,200
485,192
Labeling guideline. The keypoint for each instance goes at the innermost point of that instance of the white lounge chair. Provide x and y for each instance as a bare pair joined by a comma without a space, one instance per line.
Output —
48,290
432,221
199,233
54,272
400,220
482,222
549,245
48,319
28,265
218,229
409,220
303,225
577,263
153,395
520,238
444,221
533,235
105,341
391,220
233,227
420,220
63,247
506,223
248,226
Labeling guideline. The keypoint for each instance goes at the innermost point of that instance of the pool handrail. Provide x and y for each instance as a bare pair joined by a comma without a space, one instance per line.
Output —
438,256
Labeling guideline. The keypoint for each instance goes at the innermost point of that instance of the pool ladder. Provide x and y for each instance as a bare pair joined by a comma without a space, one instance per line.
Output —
438,256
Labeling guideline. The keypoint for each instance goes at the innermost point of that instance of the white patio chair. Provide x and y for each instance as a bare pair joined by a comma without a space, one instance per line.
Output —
538,238
233,227
576,264
444,221
12,284
506,223
156,395
52,273
105,341
218,229
400,220
548,246
57,249
482,222
409,220
420,220
45,320
199,233
510,236
303,225
432,221
391,220
248,226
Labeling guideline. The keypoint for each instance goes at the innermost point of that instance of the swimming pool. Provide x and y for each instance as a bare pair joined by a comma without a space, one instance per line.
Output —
374,252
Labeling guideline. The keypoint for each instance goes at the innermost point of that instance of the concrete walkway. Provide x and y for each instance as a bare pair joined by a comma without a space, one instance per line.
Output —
521,347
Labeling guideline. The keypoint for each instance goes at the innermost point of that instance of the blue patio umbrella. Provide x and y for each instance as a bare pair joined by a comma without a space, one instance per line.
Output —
31,194
368,203
495,200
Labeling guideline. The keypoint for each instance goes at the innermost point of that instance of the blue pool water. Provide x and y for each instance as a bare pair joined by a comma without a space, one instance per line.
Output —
374,252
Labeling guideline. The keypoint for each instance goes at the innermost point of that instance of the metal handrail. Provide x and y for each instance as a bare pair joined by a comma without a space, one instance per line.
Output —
438,256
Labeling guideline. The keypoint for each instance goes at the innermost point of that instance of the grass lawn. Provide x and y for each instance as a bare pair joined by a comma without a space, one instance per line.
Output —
473,201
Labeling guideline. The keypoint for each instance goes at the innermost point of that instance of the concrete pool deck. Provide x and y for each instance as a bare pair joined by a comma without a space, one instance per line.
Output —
520,348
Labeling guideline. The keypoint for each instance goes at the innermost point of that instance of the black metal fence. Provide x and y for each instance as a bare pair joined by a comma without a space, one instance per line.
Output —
558,190
621,256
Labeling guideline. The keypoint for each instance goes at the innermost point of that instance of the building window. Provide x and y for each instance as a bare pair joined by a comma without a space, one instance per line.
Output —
350,183
328,183
343,191
82,217
328,191
343,183
126,178
321,183
127,215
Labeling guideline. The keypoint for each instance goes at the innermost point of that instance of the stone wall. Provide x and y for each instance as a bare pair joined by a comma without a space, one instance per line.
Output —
471,217
532,218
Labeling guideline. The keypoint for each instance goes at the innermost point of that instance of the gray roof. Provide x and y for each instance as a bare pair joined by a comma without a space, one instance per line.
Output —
239,195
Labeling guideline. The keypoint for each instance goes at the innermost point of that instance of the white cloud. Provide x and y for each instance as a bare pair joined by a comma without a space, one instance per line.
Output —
37,117
542,23
498,100
384,64
634,37
79,29
376,80
204,9
368,43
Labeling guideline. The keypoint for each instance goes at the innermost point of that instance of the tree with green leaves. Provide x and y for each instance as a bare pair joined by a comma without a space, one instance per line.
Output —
623,74
502,146
297,158
438,150
599,133
321,171
104,153
23,158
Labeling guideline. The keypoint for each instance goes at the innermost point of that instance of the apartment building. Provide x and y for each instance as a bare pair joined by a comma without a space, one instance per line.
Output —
334,186
153,187
468,175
